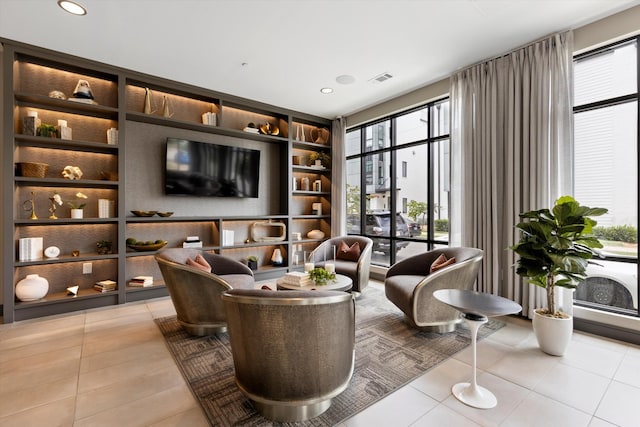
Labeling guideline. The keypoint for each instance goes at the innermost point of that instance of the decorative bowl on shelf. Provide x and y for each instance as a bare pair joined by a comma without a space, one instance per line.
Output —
320,136
144,213
315,234
147,246
164,214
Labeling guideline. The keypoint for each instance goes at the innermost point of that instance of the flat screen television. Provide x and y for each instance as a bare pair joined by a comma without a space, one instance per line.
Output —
210,170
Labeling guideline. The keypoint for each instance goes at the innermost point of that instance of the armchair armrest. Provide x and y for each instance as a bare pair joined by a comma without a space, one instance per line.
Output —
222,265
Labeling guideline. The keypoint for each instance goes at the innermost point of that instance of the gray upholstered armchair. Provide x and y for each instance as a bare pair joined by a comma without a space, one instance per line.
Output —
195,293
409,285
290,358
358,270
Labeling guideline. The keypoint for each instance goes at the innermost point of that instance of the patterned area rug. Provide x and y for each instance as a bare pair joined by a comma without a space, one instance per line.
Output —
389,354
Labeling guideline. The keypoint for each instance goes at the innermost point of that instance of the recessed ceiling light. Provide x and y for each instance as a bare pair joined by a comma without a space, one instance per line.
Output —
345,79
326,90
72,7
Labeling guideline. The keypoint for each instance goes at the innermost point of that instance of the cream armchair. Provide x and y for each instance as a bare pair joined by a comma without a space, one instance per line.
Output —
195,293
409,285
289,360
358,270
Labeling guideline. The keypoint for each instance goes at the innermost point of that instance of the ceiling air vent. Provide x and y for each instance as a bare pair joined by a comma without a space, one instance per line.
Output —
380,78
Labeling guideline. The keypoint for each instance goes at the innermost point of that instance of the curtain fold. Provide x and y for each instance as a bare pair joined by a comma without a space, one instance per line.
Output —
511,137
338,175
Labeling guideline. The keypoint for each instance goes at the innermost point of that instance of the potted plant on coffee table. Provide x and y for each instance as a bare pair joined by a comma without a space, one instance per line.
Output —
555,248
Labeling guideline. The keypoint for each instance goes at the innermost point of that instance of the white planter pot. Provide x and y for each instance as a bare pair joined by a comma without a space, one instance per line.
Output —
553,334
32,288
77,213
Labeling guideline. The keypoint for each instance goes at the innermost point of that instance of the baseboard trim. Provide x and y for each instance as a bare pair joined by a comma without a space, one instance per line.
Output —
608,331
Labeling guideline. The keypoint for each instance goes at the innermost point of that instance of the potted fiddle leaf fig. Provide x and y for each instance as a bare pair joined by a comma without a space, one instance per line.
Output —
555,248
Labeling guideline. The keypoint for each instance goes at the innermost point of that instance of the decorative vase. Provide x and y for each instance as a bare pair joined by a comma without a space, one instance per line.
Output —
166,110
276,258
32,288
77,213
253,265
147,101
553,333
315,234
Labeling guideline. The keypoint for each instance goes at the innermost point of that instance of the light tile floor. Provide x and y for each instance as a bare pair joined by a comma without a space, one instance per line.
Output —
108,367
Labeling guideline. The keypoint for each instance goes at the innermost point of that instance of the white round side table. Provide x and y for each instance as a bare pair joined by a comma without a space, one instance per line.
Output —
475,308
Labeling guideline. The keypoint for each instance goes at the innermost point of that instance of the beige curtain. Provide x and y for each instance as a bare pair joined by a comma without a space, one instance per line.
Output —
338,177
511,149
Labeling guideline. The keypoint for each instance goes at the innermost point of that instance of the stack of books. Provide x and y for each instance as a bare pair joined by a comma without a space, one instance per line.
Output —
297,278
209,119
192,242
105,286
106,208
141,281
30,248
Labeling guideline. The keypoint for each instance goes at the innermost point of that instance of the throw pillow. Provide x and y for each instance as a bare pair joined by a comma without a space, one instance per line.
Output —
441,262
199,263
348,253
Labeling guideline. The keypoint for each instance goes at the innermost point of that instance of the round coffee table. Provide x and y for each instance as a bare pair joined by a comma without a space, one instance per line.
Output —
475,308
342,283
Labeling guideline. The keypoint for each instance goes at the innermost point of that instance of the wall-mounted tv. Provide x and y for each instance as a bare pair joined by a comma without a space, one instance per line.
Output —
210,170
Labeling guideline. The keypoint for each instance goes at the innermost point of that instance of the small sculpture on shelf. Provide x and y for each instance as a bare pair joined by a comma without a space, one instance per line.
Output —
30,206
166,109
147,101
72,172
82,93
269,129
276,258
320,136
56,94
56,201
83,90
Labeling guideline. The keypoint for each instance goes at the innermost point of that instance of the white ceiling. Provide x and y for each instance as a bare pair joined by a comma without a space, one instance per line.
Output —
295,47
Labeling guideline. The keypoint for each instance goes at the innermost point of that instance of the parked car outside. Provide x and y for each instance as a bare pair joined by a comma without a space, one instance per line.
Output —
613,284
415,229
378,224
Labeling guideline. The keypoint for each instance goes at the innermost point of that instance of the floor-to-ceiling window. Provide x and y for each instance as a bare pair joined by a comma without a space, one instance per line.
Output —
606,169
398,182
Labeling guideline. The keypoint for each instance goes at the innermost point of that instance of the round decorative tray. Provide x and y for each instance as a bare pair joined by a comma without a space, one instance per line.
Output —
144,213
164,214
145,248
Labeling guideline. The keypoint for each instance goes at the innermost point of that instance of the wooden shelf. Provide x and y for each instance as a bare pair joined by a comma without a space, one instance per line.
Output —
65,144
63,182
64,106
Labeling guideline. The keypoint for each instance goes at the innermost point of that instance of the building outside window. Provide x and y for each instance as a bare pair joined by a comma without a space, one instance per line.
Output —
606,170
403,201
